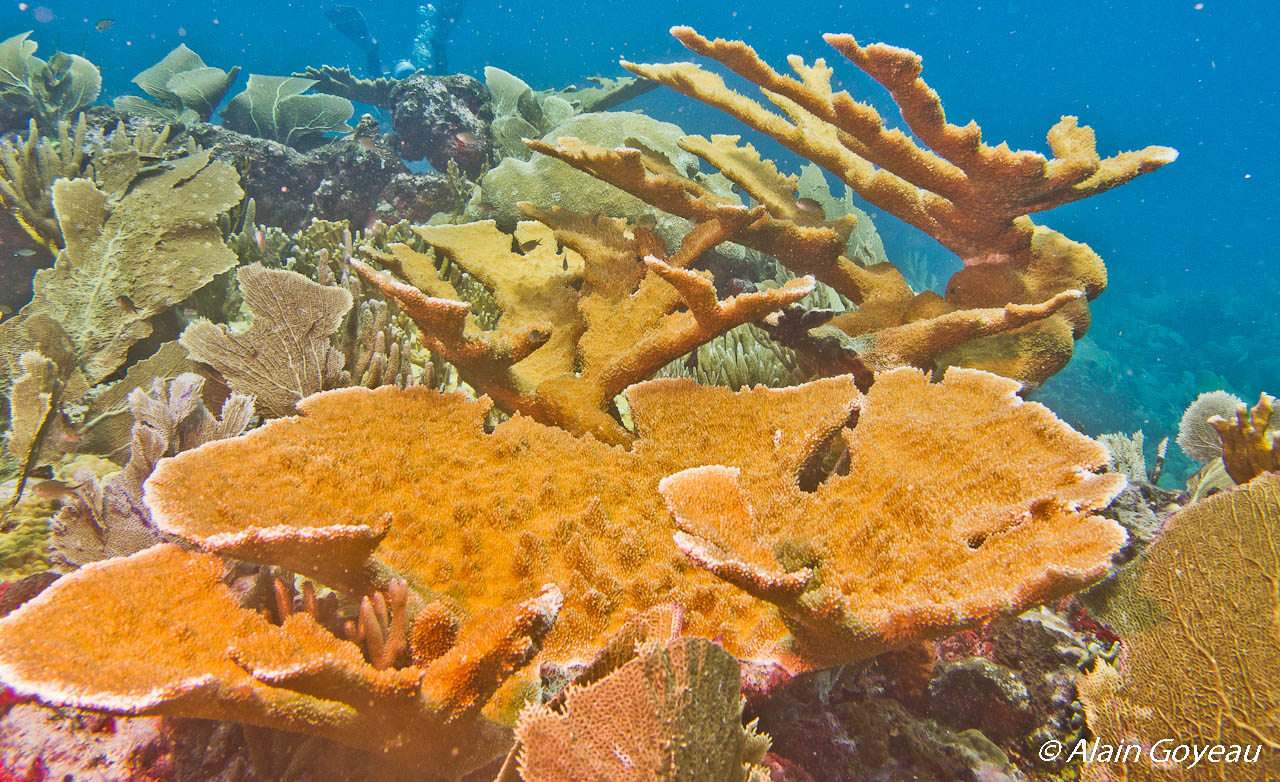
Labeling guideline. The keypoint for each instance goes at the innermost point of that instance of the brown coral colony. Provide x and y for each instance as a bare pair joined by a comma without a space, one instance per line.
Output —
474,467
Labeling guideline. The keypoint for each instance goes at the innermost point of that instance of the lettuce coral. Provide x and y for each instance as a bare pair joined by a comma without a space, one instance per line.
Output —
274,107
49,91
186,89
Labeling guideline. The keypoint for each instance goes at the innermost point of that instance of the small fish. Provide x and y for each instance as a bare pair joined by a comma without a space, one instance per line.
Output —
104,24
527,247
810,206
467,143
737,286
25,252
125,303
367,143
260,239
53,489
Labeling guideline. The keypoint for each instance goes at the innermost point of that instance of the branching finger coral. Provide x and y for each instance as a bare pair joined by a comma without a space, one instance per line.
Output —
29,171
578,325
971,197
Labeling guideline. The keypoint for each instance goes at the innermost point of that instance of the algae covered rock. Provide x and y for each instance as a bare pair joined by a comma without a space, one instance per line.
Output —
442,119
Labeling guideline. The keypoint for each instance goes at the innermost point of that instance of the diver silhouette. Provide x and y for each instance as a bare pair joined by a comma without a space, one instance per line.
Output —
435,22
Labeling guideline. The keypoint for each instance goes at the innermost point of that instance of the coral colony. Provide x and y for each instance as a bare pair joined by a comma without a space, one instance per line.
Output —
568,460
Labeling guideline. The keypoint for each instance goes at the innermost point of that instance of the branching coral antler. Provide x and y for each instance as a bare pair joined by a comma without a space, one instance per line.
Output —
885,553
83,642
579,325
971,197
1250,445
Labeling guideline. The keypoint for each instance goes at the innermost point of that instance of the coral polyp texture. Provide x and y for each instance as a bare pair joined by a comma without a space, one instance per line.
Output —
414,479
932,530
1018,303
671,713
180,645
1200,657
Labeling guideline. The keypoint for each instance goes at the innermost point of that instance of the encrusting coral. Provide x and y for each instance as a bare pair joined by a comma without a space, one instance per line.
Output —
1199,660
1018,303
235,665
577,326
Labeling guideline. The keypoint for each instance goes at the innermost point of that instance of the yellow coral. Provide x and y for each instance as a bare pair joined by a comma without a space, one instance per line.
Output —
1200,662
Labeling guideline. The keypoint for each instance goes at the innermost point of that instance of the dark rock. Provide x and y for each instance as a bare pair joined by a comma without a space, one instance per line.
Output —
356,179
15,593
443,118
20,258
827,725
982,695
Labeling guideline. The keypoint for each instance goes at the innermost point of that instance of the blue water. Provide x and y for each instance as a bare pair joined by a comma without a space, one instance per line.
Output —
1194,286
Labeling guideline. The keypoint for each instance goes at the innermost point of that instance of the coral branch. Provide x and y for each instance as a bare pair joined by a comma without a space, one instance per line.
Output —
973,198
577,326
1249,448
158,634
917,541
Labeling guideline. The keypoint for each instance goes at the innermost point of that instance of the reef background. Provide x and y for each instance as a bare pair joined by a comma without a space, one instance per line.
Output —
1189,304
